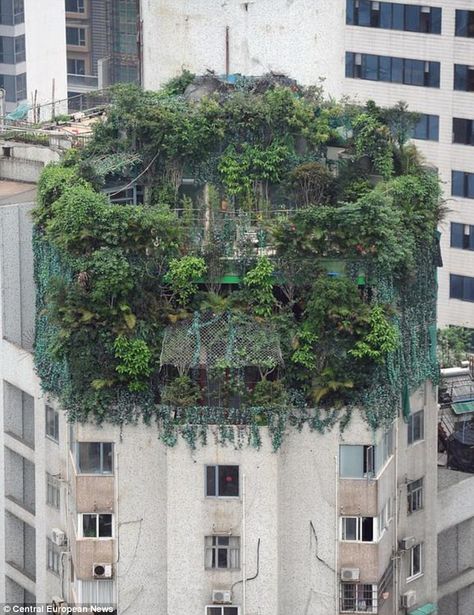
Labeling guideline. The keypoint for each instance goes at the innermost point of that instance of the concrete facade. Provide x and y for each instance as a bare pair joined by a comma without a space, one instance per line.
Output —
308,41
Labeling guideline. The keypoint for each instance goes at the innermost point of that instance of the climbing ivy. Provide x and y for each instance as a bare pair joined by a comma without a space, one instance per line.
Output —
279,295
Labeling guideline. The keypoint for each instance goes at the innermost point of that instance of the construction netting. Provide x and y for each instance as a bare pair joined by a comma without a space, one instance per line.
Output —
220,341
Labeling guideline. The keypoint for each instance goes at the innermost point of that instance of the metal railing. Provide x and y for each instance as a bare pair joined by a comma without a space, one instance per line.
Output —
84,81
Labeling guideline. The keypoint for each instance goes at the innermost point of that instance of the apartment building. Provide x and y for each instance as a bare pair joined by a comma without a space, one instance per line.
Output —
102,44
384,51
32,53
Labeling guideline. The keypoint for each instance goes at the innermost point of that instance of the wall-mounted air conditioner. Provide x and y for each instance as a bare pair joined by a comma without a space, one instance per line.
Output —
350,574
102,571
58,537
221,596
407,543
408,599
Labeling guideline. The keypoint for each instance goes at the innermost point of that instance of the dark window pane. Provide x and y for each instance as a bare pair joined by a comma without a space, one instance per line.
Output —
433,133
350,528
414,73
421,128
470,245
222,558
364,12
385,68
457,183
350,12
229,481
385,14
460,77
211,480
397,70
456,286
457,235
433,78
370,66
398,16
461,130
349,64
105,526
461,23
223,540
435,20
89,526
469,193
367,529
412,18
468,289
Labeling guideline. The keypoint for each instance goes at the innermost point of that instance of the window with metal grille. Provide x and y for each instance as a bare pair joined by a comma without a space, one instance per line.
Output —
358,598
415,495
222,551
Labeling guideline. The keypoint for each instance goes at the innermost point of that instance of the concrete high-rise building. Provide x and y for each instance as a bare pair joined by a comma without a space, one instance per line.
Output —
384,51
32,53
102,43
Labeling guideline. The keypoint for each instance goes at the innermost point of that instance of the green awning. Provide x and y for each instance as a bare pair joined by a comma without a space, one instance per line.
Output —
426,609
463,407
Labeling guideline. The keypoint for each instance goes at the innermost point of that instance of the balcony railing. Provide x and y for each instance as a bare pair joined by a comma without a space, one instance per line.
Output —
83,81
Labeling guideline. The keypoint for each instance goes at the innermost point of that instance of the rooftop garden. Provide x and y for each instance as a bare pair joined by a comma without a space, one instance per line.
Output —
237,255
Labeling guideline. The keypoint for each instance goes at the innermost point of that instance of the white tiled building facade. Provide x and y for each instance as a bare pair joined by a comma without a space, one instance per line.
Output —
309,40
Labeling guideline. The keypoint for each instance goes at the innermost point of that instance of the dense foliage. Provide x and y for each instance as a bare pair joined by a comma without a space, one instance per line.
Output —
280,288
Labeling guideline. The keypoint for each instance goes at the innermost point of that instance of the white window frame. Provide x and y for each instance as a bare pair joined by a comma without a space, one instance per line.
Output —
358,587
412,575
359,520
384,518
96,537
101,472
415,493
410,428
233,551
49,410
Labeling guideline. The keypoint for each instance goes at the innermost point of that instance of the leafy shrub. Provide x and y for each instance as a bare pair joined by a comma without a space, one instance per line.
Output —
181,392
312,183
381,339
134,364
183,275
260,282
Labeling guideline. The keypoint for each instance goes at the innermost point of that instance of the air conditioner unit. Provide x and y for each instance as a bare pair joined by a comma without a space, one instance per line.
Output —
350,574
58,604
102,571
408,599
407,543
58,537
221,596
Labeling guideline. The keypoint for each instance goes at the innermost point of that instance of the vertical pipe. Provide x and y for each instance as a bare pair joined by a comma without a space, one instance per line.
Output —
227,52
336,542
244,545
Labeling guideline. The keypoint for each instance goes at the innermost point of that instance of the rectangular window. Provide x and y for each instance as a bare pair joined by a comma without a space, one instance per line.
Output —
358,598
461,287
222,481
356,461
95,525
462,184
20,51
394,70
76,67
75,6
216,609
359,529
427,128
76,36
464,23
53,557
416,427
394,16
20,87
385,517
222,552
52,423
94,457
464,77
53,491
462,236
463,131
415,564
415,495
